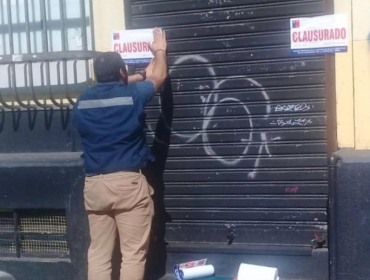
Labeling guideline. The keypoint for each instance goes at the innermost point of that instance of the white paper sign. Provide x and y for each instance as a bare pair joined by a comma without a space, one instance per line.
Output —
133,45
319,35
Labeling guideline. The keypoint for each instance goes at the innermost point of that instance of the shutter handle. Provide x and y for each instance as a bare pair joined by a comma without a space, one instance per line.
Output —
230,237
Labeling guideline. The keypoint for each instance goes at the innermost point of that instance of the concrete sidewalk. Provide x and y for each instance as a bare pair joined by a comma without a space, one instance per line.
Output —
172,277
5,276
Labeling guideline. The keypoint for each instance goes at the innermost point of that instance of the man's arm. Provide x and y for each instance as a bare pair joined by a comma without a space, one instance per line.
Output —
159,47
136,78
142,75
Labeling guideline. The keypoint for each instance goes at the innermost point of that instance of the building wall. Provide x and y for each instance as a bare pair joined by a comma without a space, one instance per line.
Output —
353,77
352,68
107,18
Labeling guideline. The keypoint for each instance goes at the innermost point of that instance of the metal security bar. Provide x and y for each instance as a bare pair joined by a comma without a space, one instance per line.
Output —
44,245
46,52
33,233
43,223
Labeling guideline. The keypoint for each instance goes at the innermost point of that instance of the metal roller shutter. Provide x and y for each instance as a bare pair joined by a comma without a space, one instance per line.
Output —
247,156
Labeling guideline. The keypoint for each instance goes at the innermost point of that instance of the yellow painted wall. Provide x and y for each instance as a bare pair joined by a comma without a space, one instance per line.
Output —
361,62
108,17
344,84
353,78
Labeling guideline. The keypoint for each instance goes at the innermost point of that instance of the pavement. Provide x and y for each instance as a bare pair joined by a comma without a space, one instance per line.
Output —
5,276
172,277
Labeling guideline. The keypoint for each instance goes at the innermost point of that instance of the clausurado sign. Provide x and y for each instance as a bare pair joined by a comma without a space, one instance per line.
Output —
319,35
133,45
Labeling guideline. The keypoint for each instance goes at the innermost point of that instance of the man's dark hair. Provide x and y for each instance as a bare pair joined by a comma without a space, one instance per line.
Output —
107,67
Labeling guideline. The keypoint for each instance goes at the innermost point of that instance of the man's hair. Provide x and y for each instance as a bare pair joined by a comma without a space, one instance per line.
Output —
107,67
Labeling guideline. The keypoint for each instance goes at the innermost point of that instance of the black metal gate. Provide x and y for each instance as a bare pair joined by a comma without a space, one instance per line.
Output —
247,159
46,51
46,47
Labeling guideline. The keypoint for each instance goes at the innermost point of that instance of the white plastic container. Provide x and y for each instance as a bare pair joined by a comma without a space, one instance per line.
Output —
198,272
255,272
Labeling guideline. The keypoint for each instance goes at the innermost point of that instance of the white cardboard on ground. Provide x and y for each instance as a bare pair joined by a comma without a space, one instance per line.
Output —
255,272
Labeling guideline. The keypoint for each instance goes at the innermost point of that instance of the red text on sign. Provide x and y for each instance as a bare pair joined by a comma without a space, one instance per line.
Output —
319,35
131,47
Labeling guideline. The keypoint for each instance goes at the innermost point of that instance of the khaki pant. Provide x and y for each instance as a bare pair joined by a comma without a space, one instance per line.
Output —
118,201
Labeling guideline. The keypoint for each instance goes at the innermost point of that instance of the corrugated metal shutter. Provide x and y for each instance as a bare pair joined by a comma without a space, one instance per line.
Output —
248,144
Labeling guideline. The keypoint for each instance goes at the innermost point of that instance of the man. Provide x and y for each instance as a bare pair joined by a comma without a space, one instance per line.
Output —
110,119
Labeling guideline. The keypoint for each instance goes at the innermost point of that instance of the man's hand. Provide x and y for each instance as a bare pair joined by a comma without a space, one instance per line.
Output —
159,67
160,41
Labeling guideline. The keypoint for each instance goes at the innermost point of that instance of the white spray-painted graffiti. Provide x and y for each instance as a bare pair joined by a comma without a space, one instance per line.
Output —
301,107
212,102
293,122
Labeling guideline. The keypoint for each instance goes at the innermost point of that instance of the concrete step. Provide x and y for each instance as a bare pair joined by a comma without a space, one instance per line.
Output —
293,262
171,277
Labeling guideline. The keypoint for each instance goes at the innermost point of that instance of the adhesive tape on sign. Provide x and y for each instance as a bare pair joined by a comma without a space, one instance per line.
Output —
198,272
255,272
